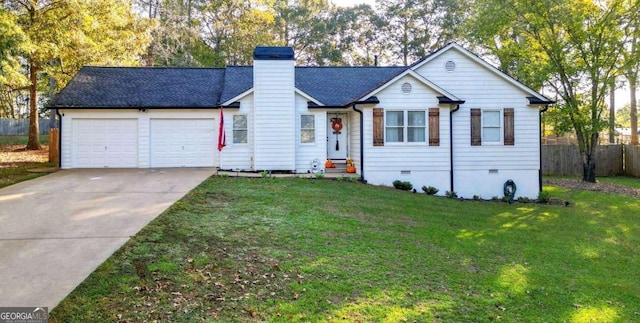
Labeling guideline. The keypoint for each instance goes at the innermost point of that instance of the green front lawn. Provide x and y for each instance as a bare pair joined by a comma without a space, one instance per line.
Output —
238,249
20,173
15,161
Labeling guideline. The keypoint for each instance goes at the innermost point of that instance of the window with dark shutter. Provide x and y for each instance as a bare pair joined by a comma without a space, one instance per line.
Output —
434,127
476,127
509,136
378,127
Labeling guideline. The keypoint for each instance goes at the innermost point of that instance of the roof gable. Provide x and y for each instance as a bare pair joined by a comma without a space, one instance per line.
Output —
418,77
540,99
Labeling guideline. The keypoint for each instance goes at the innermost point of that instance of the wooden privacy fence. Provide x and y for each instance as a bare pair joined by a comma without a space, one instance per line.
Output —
566,160
632,160
54,147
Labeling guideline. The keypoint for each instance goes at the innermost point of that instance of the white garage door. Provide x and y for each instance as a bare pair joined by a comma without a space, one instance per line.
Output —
101,143
183,143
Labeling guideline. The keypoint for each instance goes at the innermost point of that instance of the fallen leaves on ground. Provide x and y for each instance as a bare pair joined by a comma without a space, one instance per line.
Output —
596,187
15,155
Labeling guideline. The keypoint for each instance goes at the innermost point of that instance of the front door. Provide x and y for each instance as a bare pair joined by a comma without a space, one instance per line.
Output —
337,136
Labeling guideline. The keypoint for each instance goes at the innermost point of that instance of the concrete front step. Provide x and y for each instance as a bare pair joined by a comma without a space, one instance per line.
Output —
341,168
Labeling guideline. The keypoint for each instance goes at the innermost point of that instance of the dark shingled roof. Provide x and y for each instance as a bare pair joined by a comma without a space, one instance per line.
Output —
237,80
142,87
340,86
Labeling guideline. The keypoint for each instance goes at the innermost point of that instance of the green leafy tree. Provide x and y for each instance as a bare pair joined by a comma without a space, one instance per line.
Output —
12,81
416,28
632,57
623,116
577,44
175,34
355,34
61,36
234,28
304,25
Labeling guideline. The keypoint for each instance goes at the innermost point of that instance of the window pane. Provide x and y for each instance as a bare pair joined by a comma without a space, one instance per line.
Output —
240,129
394,134
239,136
307,136
491,118
416,118
491,135
239,122
395,118
307,129
307,122
416,134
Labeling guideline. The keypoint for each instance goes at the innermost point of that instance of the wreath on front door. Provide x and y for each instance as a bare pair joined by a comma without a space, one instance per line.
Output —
336,124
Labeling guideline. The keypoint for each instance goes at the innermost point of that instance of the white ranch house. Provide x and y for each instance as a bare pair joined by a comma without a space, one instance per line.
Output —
451,120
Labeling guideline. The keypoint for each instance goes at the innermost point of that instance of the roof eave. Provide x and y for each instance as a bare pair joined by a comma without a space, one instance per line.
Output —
447,100
77,107
370,100
538,101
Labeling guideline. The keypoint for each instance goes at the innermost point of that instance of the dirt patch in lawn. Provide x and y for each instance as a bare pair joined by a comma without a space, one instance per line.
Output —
596,187
17,155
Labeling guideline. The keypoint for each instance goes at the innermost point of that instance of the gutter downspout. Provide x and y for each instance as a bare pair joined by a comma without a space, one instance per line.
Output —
59,138
451,145
361,142
543,110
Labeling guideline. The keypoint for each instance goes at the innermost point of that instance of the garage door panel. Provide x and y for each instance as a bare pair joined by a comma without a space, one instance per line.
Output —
102,143
182,142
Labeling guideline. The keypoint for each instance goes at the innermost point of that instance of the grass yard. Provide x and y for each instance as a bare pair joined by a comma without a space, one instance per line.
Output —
15,161
282,250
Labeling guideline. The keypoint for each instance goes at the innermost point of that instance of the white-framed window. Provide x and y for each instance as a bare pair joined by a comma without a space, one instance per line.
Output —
405,126
491,126
240,129
307,129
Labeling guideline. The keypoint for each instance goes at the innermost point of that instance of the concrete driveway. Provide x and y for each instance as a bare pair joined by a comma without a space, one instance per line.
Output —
55,230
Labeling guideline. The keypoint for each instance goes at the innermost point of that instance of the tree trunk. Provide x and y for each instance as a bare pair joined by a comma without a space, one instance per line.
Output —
34,133
634,110
589,168
589,160
612,113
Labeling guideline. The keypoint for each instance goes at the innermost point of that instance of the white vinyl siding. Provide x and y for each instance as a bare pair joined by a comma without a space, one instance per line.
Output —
238,156
274,118
307,152
418,163
482,89
486,91
354,140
